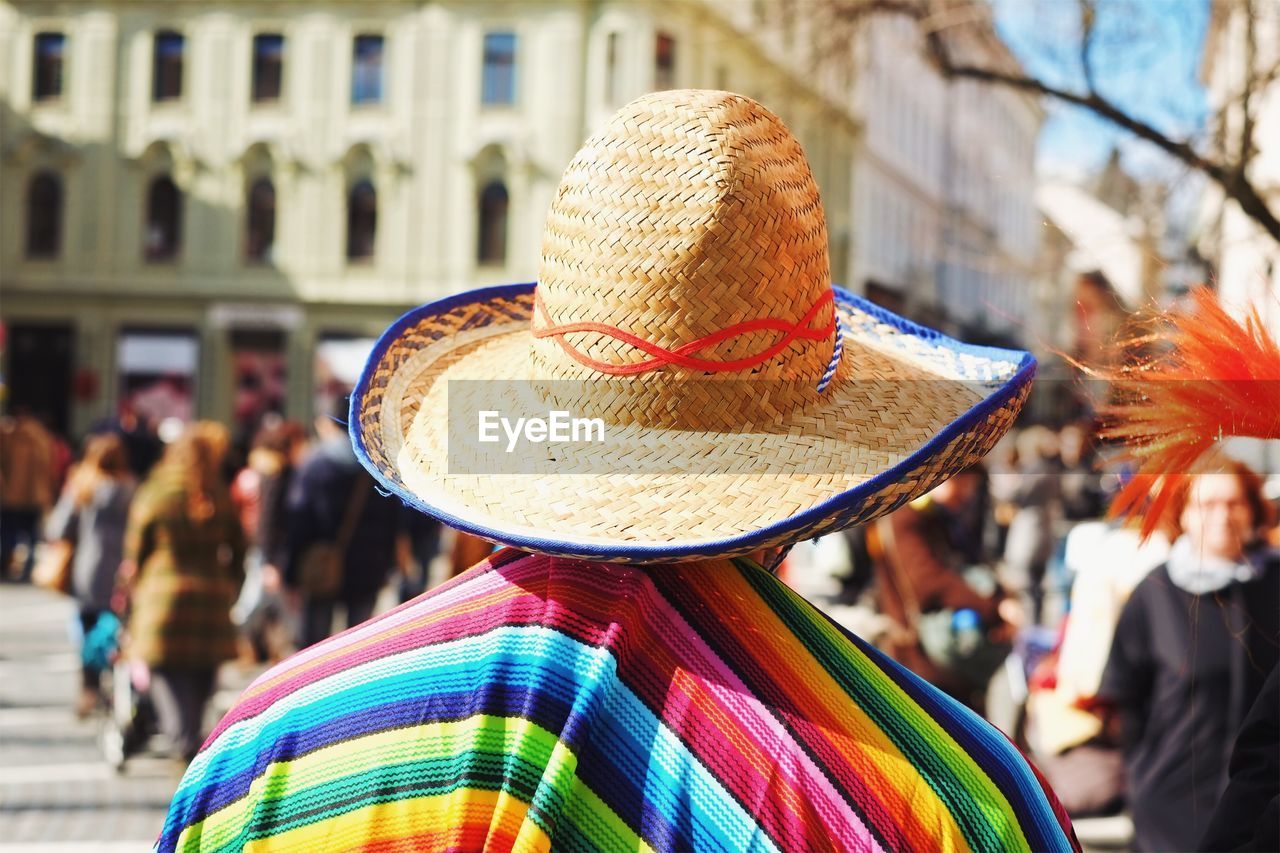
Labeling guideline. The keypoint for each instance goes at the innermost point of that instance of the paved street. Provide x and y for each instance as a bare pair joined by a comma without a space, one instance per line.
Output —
56,792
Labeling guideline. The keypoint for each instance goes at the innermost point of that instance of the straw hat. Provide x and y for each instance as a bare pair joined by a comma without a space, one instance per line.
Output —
685,303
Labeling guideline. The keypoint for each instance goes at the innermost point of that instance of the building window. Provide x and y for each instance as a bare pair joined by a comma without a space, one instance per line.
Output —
268,67
260,238
366,70
362,221
44,216
499,79
493,224
611,67
163,237
47,73
664,62
166,66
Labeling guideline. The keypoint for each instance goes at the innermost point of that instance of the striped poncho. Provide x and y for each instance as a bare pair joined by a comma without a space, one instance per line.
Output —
537,703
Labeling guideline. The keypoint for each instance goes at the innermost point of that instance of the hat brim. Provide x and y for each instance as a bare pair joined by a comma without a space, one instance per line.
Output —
863,456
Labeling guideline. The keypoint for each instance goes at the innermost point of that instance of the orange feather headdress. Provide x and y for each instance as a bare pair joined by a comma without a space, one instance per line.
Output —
1212,376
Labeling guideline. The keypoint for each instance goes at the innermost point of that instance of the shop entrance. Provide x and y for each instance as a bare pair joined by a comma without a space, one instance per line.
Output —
38,370
260,373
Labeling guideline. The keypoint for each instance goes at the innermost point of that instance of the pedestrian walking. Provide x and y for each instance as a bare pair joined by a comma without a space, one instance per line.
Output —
1080,482
1029,543
1071,746
141,441
91,513
927,585
622,676
260,492
184,565
27,487
342,538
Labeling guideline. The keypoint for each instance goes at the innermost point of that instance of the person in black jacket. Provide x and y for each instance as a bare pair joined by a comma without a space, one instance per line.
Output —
328,484
1248,815
1192,648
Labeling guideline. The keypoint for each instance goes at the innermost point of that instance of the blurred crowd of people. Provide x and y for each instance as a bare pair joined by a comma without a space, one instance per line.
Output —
1124,666
193,553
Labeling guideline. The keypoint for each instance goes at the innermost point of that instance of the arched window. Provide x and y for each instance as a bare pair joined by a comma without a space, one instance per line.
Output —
493,224
166,65
362,221
163,237
44,216
261,222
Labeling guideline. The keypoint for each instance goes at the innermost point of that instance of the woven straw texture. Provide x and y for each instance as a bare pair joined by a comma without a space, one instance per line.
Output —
689,214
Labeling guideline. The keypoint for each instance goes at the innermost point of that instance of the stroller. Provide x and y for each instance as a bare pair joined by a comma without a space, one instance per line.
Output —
127,719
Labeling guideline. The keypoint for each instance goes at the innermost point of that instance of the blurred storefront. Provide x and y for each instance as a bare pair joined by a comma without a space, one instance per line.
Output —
84,360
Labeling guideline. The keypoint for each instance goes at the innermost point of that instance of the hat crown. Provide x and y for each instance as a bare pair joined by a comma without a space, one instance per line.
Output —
688,219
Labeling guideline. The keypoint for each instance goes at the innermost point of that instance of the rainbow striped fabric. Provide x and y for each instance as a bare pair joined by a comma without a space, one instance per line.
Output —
536,703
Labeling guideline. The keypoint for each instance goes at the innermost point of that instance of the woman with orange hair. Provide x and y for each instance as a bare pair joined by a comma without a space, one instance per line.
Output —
1194,644
1200,635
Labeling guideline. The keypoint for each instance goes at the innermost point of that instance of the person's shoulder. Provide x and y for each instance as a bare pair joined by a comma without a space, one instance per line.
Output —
106,492
1151,596
123,490
146,492
322,462
1156,580
1268,562
162,488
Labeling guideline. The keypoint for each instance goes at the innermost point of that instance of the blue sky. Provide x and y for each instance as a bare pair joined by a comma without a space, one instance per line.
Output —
1146,59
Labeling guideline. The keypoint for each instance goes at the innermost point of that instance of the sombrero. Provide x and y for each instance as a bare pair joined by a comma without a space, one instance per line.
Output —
684,302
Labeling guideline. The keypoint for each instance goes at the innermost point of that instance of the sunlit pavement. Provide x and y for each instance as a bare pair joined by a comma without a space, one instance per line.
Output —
56,791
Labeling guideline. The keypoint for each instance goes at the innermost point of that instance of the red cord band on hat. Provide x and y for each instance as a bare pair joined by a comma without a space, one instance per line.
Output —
681,355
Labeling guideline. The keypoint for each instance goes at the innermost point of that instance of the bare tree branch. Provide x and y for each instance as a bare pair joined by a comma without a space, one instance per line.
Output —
1232,180
1088,16
936,17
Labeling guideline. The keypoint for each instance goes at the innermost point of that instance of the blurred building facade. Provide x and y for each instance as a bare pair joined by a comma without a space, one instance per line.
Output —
210,210
945,186
1246,259
215,208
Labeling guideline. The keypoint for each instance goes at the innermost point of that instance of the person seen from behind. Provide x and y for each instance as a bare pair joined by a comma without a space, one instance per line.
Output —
920,556
28,483
91,513
259,492
343,538
183,568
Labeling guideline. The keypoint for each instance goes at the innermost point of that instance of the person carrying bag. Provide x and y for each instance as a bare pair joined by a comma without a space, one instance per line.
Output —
53,566
320,571
342,544
949,628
